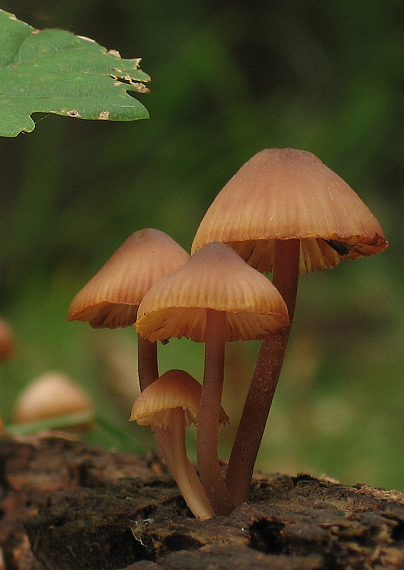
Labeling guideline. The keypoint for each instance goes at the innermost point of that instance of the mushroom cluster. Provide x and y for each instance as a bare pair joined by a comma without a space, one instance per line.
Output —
283,212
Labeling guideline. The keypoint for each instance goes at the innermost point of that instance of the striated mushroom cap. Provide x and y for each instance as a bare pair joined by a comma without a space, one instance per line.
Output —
215,277
173,389
284,194
112,297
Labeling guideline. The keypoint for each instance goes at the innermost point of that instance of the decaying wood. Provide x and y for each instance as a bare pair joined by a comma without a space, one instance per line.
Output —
67,506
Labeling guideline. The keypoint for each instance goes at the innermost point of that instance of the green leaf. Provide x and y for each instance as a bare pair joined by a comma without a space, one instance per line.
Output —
54,71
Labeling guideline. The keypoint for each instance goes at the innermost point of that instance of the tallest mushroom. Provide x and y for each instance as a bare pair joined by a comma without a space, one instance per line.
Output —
284,211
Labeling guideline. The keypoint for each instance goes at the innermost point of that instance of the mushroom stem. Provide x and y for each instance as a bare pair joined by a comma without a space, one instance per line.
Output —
148,372
185,475
265,377
286,272
209,413
164,443
147,362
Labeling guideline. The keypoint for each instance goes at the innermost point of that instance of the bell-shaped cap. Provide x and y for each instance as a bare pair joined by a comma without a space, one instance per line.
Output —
282,194
112,297
215,277
173,389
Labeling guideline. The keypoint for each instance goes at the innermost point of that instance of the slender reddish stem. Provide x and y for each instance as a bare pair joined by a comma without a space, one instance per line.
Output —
265,378
147,362
209,413
148,372
286,272
185,475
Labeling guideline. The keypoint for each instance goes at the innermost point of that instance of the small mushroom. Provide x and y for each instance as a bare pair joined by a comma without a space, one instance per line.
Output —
215,297
283,211
172,403
52,395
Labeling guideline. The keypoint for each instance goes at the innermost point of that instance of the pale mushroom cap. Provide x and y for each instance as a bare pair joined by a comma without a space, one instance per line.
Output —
216,278
285,194
51,395
111,298
173,389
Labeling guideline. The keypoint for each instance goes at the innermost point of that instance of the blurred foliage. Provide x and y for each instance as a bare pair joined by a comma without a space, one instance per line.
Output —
323,76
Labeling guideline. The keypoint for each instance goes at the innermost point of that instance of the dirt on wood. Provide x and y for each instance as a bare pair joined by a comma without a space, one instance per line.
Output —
67,506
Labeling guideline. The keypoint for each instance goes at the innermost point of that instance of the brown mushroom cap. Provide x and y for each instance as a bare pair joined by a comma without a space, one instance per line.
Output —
173,389
282,194
215,277
112,297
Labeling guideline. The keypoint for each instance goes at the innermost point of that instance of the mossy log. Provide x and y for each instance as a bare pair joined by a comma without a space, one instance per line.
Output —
68,506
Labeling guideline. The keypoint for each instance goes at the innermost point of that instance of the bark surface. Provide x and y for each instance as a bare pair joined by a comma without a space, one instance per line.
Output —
67,506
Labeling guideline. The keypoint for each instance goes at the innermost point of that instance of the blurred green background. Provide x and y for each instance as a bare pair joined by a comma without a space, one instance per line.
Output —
228,79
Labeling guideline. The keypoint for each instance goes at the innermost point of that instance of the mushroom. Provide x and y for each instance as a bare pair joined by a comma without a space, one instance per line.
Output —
215,297
172,403
112,297
53,395
283,194
284,211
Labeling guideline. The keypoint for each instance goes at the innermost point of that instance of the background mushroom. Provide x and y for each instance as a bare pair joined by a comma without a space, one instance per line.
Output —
215,297
172,403
283,211
54,395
